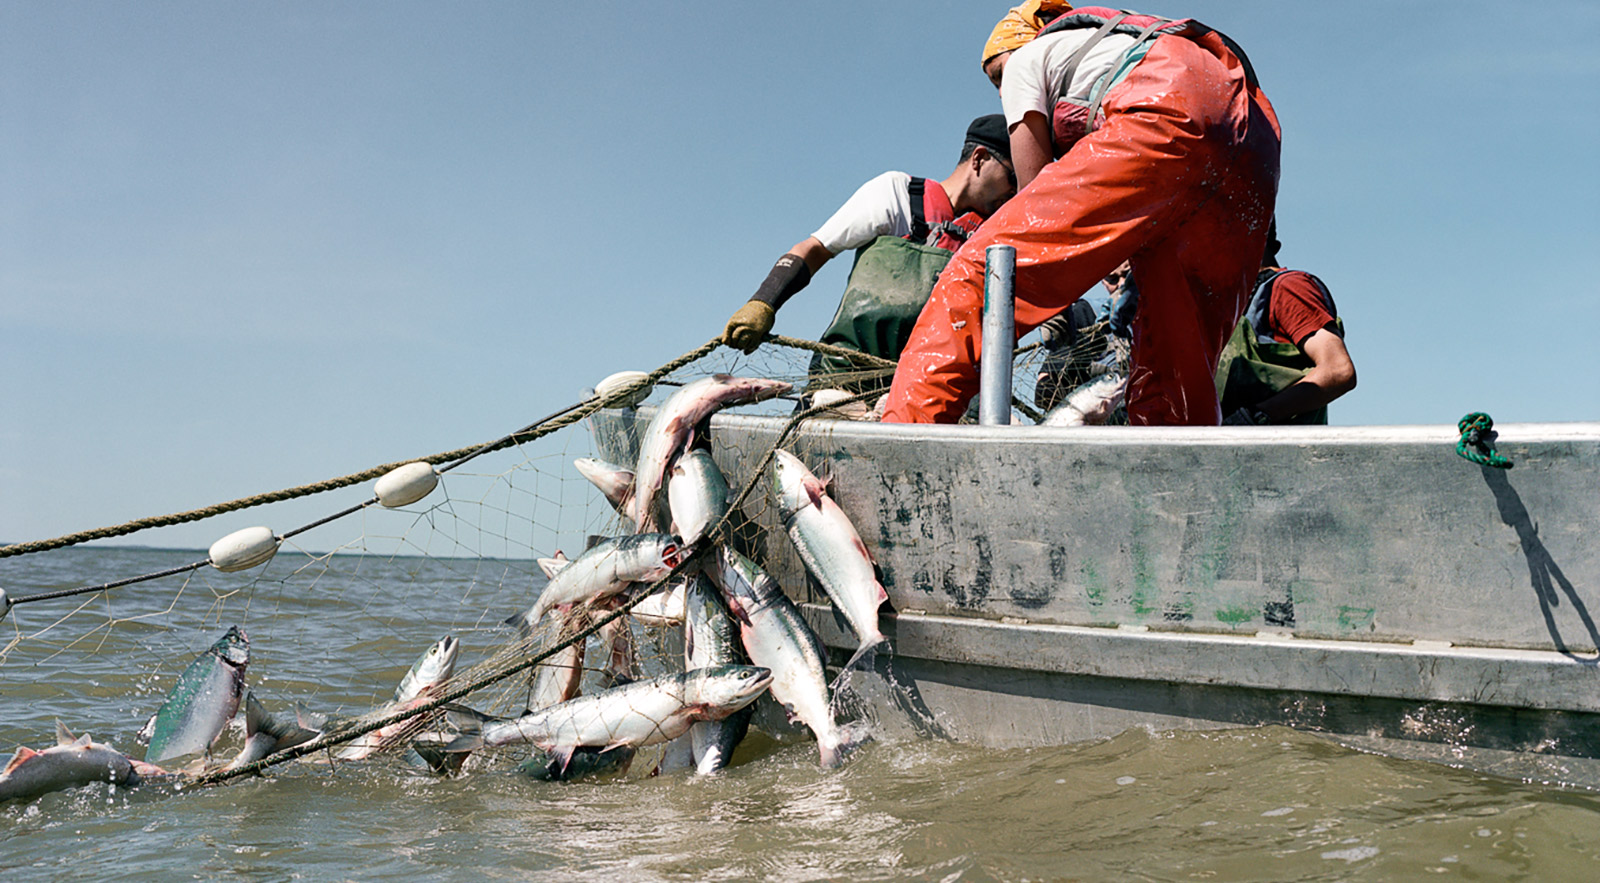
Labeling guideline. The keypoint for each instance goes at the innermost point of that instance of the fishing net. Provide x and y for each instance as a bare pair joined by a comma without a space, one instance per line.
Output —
367,580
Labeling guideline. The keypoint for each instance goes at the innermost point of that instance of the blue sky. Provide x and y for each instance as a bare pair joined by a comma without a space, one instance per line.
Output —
245,246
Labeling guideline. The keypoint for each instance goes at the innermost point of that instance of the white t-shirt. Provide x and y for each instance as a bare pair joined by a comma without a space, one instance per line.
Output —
1034,73
880,207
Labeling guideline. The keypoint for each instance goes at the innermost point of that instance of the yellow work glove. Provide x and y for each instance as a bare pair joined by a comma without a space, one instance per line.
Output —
749,325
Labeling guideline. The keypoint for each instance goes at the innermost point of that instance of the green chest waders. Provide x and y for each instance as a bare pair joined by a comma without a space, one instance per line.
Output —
888,286
1251,372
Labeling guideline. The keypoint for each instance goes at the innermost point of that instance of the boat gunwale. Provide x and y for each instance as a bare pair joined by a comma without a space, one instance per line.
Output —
1123,436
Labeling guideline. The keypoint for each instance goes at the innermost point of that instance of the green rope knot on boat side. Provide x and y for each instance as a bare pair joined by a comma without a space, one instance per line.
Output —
1475,444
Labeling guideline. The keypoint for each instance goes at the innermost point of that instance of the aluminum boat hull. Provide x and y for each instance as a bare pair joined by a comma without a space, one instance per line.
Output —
1051,585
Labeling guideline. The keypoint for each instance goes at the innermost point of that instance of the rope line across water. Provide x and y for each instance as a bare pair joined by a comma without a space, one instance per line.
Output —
558,420
495,675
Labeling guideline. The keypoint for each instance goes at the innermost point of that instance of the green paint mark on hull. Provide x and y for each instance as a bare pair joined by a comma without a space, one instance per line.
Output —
1236,616
1354,618
1094,587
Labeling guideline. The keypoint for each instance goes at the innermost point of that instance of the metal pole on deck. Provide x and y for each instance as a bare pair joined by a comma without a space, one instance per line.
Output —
999,336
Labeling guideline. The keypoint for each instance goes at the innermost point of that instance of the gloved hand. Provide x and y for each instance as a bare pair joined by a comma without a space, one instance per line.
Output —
1057,332
748,326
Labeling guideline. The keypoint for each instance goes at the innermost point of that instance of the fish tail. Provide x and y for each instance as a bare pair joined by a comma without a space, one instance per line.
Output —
868,645
844,743
523,623
464,743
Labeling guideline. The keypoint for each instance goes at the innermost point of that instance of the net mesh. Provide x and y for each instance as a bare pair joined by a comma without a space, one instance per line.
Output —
387,583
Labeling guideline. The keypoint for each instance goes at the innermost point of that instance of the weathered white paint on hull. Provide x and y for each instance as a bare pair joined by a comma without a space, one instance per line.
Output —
1064,584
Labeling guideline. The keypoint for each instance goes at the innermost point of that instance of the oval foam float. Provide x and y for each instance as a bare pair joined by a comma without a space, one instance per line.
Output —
622,380
244,549
404,485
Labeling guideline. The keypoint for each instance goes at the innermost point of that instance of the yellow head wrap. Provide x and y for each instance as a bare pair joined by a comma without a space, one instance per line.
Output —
1021,24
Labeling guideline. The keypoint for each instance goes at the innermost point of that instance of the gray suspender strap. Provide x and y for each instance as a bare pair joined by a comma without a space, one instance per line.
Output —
1072,62
1094,102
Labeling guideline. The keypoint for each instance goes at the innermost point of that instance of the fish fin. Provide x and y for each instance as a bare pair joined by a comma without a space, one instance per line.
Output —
466,721
464,743
814,489
307,719
148,730
883,594
520,622
63,735
738,611
865,648
255,717
553,566
563,757
147,769
18,759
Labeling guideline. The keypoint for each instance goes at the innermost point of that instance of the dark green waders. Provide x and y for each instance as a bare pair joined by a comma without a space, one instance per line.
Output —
1250,372
888,286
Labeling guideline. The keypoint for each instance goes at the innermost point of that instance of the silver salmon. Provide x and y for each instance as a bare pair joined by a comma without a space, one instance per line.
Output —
673,426
201,703
426,677
608,568
634,715
265,732
556,679
709,640
697,496
68,764
615,482
830,547
777,638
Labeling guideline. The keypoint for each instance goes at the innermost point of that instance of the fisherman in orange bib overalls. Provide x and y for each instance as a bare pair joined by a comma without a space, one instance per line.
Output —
1134,139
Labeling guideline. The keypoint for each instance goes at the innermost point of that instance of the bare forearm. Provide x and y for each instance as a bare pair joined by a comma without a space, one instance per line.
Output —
1030,147
1312,391
813,252
1332,375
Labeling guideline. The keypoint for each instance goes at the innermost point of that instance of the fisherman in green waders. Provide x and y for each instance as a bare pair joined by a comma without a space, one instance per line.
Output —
1287,359
905,230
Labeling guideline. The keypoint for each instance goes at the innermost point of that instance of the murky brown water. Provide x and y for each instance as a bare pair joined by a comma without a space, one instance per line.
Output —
1252,804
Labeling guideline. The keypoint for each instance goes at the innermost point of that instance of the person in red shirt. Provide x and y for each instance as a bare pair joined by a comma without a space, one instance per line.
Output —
1291,325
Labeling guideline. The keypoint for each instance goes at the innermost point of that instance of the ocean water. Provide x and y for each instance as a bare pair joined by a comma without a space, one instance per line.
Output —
1242,804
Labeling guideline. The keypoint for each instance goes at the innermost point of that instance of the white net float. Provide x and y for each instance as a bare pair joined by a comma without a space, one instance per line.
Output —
406,484
243,549
622,380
